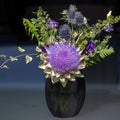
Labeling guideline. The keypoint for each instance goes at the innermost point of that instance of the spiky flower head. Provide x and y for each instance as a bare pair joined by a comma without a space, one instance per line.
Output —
62,62
63,57
78,18
64,31
71,11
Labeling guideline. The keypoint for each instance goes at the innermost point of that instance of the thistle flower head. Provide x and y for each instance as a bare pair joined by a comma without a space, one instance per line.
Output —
63,56
78,18
65,31
71,11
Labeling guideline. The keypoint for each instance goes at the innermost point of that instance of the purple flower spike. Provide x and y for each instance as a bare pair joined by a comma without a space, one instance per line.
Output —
63,56
109,28
53,24
90,47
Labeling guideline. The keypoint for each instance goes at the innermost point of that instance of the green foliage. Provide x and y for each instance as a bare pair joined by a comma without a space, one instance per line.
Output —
38,27
106,51
13,58
21,49
28,59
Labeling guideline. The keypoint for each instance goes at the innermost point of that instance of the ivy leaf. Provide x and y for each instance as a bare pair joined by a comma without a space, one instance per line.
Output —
5,67
28,59
21,49
13,58
38,49
3,56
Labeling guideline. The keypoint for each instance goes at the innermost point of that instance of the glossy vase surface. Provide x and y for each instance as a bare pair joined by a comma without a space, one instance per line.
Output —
65,102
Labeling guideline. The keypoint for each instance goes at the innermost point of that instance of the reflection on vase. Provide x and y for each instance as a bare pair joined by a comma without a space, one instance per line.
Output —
65,102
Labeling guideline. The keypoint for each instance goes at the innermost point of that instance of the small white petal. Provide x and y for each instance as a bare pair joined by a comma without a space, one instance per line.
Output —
64,83
42,66
52,73
62,79
57,75
67,76
77,72
48,65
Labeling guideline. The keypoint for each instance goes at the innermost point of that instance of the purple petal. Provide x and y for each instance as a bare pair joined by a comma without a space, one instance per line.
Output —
90,47
52,24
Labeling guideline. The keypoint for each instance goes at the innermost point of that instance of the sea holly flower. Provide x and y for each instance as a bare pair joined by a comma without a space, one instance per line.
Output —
109,28
71,11
52,24
90,47
65,31
78,18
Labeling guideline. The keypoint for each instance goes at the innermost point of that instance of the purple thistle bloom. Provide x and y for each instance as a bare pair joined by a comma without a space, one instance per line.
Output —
53,24
90,47
64,31
63,57
78,18
109,28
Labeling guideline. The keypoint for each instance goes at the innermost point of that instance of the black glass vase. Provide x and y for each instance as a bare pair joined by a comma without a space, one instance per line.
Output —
65,102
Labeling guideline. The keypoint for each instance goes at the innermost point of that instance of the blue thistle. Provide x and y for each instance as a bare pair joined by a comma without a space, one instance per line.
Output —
71,11
52,24
78,18
64,31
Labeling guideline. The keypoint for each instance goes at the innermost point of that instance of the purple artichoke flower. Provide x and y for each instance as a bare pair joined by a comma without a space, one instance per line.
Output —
109,28
90,47
64,31
63,56
53,24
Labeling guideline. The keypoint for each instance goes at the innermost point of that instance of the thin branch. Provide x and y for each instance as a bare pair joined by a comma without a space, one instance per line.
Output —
18,56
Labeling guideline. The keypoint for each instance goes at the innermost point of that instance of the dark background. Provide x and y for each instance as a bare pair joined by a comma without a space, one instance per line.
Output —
12,33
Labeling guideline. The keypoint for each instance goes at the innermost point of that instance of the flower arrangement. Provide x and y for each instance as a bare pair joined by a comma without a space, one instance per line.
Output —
64,50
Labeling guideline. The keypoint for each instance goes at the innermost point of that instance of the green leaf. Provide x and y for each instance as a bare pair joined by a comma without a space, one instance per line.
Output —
2,56
5,67
21,49
13,58
28,59
105,52
38,49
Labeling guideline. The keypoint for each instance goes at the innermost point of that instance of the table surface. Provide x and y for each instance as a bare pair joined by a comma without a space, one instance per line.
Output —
102,102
